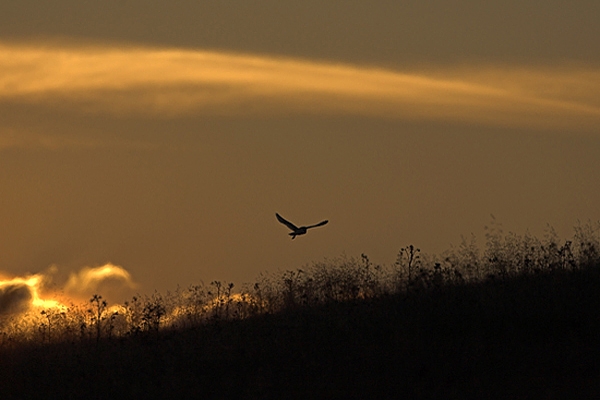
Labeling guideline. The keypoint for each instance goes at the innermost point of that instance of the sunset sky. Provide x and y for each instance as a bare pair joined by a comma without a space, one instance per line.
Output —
160,138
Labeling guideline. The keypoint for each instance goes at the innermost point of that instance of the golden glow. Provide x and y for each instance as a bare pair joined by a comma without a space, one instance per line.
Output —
25,307
240,305
234,298
20,294
87,280
167,82
32,284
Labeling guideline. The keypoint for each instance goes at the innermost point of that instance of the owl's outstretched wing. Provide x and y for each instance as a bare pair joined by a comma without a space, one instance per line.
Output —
319,224
286,222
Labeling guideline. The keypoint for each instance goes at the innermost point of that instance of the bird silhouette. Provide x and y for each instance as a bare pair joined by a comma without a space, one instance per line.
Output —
295,230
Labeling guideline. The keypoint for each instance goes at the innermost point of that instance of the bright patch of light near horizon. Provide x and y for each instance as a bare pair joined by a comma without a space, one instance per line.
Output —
34,283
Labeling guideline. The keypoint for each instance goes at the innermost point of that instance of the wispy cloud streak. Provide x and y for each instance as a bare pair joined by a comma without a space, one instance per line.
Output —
171,82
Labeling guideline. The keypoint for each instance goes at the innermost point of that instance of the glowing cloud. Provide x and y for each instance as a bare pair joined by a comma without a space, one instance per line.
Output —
167,82
25,305
20,294
92,280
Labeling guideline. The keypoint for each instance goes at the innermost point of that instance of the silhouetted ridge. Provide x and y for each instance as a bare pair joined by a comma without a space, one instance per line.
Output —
517,320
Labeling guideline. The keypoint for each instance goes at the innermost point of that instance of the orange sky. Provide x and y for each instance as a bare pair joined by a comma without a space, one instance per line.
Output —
164,138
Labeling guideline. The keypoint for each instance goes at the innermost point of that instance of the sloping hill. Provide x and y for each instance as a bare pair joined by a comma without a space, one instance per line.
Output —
534,335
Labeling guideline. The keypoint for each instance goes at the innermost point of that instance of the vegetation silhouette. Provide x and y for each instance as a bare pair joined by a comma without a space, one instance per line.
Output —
295,230
517,320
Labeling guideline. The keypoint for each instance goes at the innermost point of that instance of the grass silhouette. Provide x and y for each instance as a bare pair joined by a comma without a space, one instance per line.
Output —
518,319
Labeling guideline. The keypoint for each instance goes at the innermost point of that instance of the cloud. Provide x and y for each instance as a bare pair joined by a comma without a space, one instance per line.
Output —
165,83
20,294
108,280
14,298
24,293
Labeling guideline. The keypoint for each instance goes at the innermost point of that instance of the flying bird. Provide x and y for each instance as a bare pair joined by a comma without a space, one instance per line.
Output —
295,230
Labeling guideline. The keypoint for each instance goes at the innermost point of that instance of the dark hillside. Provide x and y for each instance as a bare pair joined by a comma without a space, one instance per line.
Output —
519,320
532,335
